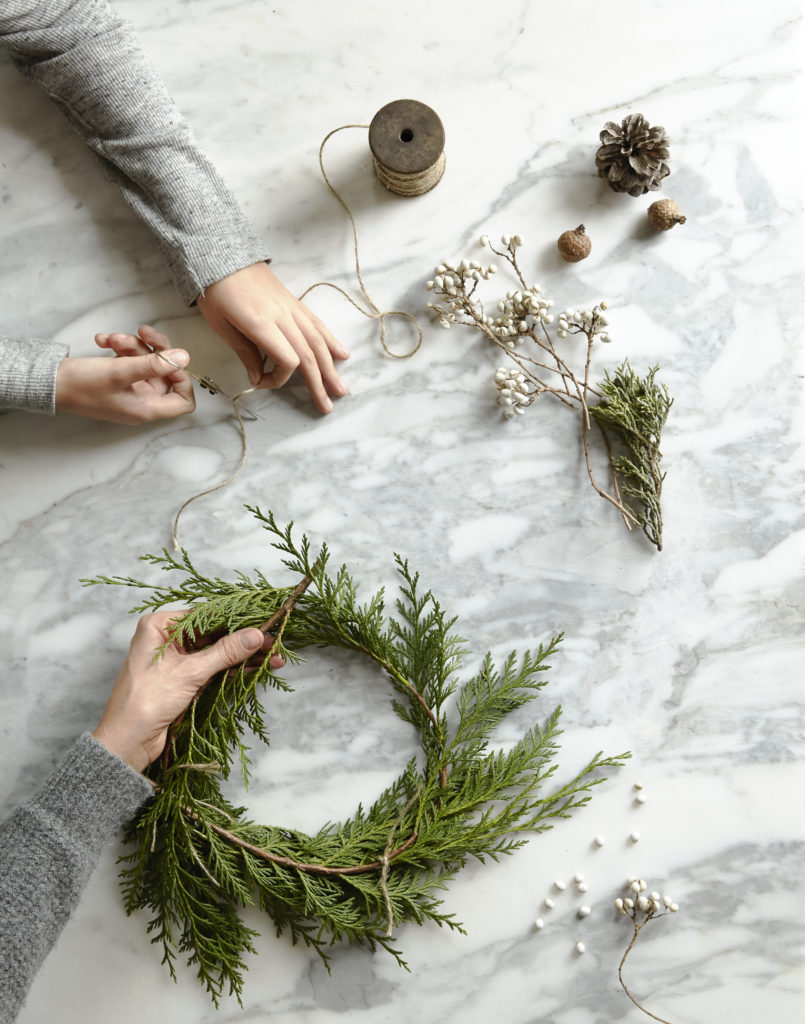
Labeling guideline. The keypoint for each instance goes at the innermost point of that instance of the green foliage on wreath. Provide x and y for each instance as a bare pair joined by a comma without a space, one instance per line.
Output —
198,859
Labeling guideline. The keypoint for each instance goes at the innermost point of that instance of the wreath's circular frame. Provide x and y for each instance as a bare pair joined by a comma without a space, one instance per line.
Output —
198,860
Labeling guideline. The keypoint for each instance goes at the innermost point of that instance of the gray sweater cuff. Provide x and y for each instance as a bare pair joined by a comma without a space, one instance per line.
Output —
91,795
28,369
48,850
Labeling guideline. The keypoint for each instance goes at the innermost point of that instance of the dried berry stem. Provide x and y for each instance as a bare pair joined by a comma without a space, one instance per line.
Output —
637,926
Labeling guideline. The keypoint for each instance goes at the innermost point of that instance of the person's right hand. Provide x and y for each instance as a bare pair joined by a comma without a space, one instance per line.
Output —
137,386
148,695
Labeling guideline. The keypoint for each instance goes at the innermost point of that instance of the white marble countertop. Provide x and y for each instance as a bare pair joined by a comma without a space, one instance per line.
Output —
692,658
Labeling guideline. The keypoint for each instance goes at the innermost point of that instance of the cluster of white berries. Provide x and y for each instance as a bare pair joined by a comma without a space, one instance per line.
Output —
454,283
587,321
514,393
650,905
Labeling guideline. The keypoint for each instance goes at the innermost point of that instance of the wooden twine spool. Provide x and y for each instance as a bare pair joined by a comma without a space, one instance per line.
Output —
406,138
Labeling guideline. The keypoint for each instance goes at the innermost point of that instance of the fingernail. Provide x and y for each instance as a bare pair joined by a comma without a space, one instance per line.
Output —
254,376
341,388
328,405
178,356
251,639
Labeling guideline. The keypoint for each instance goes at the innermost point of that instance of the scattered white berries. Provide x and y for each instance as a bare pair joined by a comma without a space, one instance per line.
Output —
584,911
559,885
539,924
578,877
599,841
548,903
580,948
582,887
635,836
640,798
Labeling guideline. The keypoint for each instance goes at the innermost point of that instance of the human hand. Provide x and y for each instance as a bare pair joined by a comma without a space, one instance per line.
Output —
135,387
148,695
260,320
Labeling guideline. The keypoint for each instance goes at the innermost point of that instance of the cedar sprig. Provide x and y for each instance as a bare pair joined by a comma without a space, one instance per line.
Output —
197,859
627,409
633,410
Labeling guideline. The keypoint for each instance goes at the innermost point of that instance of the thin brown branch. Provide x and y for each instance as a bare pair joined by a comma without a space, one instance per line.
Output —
637,927
287,862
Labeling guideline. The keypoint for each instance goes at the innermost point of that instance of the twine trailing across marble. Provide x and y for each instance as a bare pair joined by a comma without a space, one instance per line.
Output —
407,143
406,139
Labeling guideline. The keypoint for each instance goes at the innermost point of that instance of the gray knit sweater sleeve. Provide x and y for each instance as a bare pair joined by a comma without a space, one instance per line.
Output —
48,849
90,63
28,374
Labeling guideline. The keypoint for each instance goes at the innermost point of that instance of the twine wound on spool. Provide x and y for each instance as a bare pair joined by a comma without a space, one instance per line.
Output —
406,138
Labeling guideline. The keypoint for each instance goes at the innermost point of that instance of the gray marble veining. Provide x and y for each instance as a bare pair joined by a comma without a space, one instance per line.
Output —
691,658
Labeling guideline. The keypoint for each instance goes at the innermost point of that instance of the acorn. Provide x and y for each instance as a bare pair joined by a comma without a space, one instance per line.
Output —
574,245
664,214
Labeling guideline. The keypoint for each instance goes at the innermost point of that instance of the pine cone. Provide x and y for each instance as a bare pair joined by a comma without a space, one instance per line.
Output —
632,157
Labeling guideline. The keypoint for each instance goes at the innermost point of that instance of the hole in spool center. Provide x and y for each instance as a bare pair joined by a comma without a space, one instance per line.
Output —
406,135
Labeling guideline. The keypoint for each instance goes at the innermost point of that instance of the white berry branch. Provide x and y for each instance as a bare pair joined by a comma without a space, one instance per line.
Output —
641,909
524,315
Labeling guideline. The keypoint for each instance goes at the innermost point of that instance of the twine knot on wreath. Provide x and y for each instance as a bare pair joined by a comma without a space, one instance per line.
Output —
197,859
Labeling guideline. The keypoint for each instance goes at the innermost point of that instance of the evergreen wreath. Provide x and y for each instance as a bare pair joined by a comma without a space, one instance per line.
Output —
197,858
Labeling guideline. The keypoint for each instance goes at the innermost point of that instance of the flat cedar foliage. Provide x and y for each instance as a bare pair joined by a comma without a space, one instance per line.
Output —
197,859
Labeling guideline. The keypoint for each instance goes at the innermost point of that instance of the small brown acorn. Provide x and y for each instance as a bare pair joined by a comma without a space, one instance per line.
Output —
664,214
574,245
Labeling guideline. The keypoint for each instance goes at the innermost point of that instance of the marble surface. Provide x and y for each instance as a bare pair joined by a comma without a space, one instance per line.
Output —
691,658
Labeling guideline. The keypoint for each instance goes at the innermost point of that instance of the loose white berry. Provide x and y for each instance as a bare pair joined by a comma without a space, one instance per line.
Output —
582,887
599,841
638,785
580,948
578,877
539,923
641,798
635,836
584,911
559,885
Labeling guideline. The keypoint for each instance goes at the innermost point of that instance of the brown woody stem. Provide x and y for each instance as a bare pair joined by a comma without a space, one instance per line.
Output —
287,862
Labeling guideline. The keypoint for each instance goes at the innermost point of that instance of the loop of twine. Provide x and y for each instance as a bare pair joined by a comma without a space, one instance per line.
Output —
402,184
418,184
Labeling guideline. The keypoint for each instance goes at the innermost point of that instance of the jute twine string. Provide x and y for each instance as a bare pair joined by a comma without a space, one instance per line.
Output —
402,184
418,184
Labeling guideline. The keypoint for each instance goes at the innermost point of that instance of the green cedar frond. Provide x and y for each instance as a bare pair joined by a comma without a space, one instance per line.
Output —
633,411
196,859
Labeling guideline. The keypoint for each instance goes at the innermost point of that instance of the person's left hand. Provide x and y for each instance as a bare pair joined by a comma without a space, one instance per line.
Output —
148,695
136,387
262,321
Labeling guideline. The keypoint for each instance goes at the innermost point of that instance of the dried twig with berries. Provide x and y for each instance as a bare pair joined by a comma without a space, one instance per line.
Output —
629,411
641,909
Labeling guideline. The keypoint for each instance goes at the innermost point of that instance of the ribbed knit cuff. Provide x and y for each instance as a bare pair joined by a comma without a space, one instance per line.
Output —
28,370
92,793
